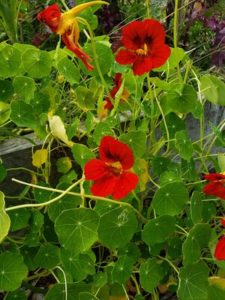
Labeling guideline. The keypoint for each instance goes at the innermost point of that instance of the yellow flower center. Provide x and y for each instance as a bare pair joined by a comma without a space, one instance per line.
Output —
115,167
142,51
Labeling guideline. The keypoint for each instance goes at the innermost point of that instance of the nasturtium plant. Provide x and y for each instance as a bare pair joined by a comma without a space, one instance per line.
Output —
112,168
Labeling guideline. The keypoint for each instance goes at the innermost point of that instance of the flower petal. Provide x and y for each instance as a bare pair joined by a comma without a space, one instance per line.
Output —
214,176
95,169
104,187
133,35
142,65
124,185
68,40
50,16
112,150
153,31
125,57
159,55
220,249
216,189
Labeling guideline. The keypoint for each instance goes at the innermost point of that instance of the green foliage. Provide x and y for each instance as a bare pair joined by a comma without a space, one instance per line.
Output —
57,237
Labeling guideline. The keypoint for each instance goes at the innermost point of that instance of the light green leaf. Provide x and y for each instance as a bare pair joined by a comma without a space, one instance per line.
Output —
213,89
136,140
68,69
37,63
181,98
82,154
158,230
4,219
47,256
24,87
10,60
117,227
184,145
5,111
22,114
122,269
193,283
12,271
151,272
170,199
77,228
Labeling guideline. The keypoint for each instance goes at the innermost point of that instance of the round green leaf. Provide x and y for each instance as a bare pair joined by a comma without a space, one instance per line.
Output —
22,114
87,296
6,90
117,227
78,266
191,250
151,272
193,282
5,111
24,87
82,154
158,230
170,199
57,292
77,228
84,98
37,63
68,69
12,271
4,220
213,89
19,218
10,60
181,98
47,256
184,145
122,269
136,140
65,203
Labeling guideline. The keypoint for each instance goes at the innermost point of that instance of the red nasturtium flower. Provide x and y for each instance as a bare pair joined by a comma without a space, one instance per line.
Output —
112,173
220,249
144,46
216,185
66,25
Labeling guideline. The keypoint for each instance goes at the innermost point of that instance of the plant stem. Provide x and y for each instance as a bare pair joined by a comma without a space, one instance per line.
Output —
170,263
175,24
44,203
67,191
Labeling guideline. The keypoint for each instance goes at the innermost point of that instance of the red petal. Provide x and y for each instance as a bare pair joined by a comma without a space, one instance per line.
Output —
95,169
68,40
104,187
142,65
216,189
214,176
220,249
124,185
133,35
159,55
50,16
154,32
125,57
111,150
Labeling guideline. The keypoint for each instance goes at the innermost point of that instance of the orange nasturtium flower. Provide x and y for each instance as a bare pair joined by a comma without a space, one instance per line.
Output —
66,25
